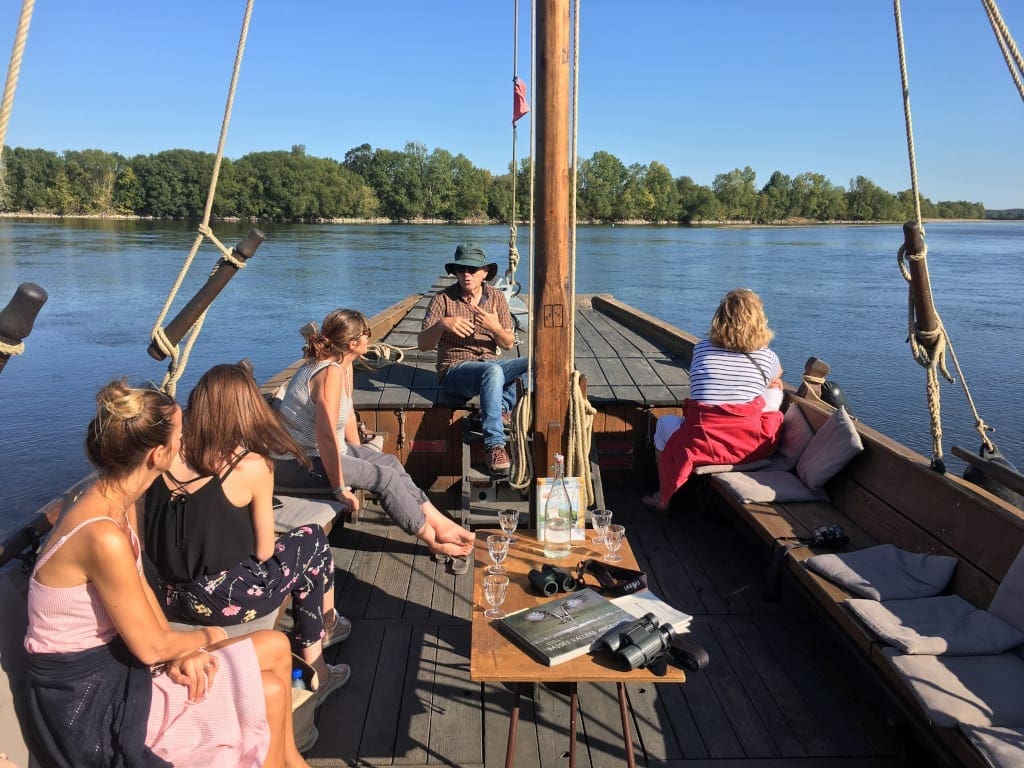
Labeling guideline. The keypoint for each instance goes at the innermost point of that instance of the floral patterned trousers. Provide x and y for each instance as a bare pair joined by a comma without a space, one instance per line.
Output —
302,565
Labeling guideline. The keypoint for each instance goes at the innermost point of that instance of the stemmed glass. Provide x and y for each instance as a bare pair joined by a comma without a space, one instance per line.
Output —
601,519
613,540
497,548
508,519
494,593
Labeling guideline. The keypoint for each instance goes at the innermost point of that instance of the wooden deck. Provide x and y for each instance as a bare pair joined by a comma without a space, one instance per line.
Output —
778,691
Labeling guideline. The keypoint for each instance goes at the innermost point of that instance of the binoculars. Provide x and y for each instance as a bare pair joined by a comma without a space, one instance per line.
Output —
550,579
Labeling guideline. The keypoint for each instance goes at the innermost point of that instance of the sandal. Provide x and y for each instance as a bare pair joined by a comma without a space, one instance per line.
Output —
440,557
459,565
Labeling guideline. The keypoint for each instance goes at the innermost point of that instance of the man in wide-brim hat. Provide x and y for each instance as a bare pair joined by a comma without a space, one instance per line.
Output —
469,323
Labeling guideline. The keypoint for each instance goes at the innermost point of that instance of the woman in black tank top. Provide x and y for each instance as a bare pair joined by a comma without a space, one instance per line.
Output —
208,526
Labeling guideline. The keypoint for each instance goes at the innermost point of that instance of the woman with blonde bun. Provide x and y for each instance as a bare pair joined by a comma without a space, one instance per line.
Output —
109,683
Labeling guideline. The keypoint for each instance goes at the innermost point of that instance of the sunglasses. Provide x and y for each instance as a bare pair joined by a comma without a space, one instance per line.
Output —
460,270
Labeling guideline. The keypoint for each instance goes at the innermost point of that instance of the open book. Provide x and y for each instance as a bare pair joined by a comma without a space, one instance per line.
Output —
643,602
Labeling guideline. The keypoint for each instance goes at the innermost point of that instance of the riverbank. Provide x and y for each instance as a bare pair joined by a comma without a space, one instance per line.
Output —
789,222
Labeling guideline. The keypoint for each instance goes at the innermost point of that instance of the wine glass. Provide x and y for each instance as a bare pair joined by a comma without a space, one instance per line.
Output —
508,519
613,540
494,593
497,548
601,519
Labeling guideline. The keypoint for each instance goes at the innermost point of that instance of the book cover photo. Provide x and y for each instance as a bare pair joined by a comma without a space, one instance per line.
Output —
565,627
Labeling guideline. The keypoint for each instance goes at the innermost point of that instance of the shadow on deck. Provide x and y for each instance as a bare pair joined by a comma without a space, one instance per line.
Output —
778,691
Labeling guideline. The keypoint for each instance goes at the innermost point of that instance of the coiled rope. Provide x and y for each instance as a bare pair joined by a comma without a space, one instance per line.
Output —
928,347
178,356
380,355
1014,61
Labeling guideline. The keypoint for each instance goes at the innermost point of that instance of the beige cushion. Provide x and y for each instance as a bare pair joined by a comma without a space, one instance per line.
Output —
13,664
946,624
885,572
295,511
1008,602
796,435
766,486
1001,747
974,690
831,449
717,469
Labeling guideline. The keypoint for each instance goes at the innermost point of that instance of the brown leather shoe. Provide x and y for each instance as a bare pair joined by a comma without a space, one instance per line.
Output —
498,462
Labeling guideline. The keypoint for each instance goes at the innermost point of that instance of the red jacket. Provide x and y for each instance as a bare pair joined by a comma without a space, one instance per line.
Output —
716,434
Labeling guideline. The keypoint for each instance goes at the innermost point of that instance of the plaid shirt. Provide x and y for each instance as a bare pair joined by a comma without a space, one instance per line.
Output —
481,345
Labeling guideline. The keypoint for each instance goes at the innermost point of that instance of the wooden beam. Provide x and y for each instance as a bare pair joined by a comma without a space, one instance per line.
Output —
551,320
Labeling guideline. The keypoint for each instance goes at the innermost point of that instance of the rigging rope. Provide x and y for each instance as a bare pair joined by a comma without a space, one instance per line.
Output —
513,251
1014,61
928,347
11,84
178,357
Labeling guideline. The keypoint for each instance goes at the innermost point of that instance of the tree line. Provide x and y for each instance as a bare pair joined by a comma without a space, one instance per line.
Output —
414,184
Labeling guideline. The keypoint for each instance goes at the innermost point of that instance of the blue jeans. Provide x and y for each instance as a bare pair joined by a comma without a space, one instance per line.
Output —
495,382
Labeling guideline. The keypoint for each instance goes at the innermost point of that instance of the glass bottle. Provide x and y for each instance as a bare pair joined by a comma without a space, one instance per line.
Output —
558,514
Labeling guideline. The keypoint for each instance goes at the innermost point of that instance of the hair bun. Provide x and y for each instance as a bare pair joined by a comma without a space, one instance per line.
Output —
119,400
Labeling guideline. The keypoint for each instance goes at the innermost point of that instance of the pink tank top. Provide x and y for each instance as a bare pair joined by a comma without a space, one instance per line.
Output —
68,619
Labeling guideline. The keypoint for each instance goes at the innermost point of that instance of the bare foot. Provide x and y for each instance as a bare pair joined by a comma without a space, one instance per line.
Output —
455,534
452,549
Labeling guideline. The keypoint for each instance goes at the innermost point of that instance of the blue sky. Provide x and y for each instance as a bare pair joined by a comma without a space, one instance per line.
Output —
702,87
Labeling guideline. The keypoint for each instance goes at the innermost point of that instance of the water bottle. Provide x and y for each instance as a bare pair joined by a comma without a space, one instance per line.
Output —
558,515
297,682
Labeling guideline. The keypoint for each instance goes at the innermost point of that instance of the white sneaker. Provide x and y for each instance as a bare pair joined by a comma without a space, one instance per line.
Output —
337,676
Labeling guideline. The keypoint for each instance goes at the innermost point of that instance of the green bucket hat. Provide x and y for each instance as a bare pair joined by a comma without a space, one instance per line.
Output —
471,255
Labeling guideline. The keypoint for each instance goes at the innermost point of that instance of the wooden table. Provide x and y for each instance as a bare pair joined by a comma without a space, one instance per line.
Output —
495,658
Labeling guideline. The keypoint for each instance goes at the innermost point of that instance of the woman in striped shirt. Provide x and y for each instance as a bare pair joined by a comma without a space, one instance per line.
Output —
733,366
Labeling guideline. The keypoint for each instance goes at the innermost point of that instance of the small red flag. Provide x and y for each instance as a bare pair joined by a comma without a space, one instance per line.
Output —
519,104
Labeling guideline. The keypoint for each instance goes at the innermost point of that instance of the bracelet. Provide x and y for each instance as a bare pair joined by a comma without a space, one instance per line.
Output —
342,489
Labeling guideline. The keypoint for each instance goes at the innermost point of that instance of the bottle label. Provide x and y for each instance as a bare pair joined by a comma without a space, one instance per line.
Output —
574,485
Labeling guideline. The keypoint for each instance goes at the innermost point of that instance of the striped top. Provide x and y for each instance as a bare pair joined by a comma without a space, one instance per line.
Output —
720,376
68,619
299,410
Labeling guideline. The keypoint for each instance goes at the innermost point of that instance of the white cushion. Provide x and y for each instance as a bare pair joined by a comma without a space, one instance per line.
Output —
767,486
831,449
943,625
884,572
796,435
974,690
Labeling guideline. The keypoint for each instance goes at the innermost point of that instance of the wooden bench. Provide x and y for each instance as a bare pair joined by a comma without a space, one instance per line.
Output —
889,494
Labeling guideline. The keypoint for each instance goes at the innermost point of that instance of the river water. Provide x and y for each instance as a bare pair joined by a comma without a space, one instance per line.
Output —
830,291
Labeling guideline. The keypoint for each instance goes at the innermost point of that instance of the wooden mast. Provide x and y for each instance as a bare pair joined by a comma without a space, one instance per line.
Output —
552,317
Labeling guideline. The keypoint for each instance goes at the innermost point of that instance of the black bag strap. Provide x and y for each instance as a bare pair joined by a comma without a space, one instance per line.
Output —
612,579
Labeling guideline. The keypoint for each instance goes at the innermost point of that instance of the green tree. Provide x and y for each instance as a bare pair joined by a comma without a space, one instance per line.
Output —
697,203
775,198
601,182
395,180
358,159
736,194
127,197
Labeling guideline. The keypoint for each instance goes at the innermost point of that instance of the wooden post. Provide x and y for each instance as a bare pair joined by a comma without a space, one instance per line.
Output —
551,317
